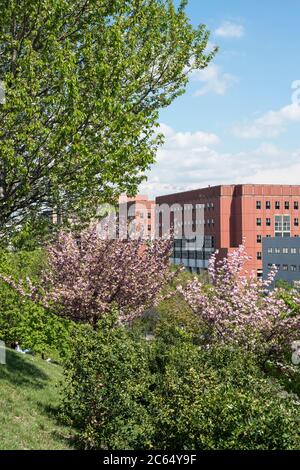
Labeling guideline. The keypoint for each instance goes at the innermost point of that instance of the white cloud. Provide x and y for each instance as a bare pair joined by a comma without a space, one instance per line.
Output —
195,163
230,30
187,139
270,124
268,149
214,80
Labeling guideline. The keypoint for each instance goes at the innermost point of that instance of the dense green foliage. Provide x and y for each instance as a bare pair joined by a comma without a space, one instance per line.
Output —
173,392
287,294
24,321
84,83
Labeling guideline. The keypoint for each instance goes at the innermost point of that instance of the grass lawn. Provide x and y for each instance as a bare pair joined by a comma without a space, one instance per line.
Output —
29,396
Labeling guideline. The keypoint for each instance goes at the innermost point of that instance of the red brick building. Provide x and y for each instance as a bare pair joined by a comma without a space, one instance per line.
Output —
233,213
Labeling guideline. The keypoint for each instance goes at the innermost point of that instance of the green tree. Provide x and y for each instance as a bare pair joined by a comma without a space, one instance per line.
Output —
84,83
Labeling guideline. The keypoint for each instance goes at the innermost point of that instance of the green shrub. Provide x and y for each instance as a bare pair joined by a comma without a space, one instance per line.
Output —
124,392
219,399
20,319
108,387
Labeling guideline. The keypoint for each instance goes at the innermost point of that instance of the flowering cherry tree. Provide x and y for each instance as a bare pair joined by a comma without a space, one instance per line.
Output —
87,276
240,308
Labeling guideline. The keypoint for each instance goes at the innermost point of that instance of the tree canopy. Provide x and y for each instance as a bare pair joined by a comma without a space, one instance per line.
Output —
84,81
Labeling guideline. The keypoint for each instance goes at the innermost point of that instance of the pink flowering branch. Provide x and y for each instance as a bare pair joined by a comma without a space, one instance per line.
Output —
87,276
240,308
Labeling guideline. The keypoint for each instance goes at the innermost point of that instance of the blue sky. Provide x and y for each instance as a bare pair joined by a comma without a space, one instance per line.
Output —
238,121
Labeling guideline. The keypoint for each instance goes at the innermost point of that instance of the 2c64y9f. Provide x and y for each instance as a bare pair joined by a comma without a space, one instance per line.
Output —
175,459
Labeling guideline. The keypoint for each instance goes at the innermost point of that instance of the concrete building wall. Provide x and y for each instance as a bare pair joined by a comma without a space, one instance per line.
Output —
284,252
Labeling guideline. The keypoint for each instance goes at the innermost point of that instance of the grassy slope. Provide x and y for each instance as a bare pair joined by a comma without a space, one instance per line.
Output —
29,396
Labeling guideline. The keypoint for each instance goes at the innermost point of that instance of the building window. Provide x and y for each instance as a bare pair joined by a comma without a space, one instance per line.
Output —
270,251
149,215
293,267
296,222
277,251
258,222
296,205
277,205
258,204
282,226
268,205
285,267
268,222
285,251
293,251
258,255
258,238
268,236
259,274
286,223
286,205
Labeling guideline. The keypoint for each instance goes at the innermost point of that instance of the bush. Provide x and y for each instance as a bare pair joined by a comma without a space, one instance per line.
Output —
24,321
219,399
124,392
107,390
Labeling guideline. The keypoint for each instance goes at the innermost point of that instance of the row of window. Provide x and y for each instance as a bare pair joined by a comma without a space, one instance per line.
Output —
277,205
176,207
284,251
190,222
194,255
285,267
283,224
188,207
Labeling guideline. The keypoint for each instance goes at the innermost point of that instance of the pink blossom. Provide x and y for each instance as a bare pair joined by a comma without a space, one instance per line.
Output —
87,276
238,307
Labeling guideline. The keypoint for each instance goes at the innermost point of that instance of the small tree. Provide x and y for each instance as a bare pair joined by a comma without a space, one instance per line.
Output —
240,308
88,276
